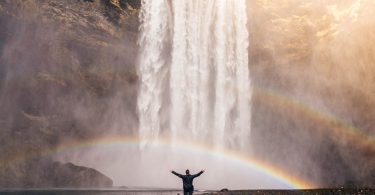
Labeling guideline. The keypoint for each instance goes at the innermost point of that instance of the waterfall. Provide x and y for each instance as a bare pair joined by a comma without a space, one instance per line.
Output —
194,77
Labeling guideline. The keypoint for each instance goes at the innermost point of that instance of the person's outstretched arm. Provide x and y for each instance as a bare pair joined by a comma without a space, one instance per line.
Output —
198,174
177,174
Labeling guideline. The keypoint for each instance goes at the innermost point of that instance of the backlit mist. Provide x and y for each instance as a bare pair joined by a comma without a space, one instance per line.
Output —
259,94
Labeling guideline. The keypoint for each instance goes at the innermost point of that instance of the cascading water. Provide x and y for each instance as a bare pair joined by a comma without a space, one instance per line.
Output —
153,39
193,101
194,73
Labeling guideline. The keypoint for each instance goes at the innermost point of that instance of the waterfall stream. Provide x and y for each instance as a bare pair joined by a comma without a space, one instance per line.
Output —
194,102
193,66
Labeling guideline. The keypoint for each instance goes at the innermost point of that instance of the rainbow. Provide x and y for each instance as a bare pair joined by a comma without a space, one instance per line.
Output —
251,163
271,98
338,127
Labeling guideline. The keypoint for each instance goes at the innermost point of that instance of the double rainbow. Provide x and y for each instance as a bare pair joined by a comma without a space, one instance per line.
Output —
268,97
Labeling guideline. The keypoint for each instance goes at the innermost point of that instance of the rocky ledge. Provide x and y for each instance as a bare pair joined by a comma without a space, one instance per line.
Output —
69,175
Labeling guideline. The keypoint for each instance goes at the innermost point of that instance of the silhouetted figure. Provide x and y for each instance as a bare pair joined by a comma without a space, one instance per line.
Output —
188,181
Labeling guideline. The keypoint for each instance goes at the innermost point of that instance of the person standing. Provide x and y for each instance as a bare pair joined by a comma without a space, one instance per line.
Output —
187,181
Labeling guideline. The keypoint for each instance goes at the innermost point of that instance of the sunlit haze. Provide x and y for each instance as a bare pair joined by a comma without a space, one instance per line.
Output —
261,94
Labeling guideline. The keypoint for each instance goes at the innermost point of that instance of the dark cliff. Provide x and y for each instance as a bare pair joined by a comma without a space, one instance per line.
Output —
61,63
69,175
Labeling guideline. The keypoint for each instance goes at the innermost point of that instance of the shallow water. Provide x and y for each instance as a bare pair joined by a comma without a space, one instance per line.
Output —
338,191
90,192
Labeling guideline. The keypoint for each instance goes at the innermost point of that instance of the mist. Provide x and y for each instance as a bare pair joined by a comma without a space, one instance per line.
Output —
314,55
69,75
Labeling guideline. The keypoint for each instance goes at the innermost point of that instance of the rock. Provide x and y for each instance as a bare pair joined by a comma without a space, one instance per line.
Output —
48,174
73,176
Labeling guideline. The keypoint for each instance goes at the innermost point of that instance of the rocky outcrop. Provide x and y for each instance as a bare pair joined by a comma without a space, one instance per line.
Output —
47,174
68,175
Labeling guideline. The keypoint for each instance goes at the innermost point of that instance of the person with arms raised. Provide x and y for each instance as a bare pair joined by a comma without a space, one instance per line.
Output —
187,181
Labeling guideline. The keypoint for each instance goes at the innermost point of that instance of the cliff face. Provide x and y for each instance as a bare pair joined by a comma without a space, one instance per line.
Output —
62,65
316,61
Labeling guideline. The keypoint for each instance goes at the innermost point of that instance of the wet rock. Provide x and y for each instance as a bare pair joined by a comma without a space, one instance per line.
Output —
72,176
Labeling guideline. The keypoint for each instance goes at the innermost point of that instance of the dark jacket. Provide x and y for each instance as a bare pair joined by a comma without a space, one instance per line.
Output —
188,180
